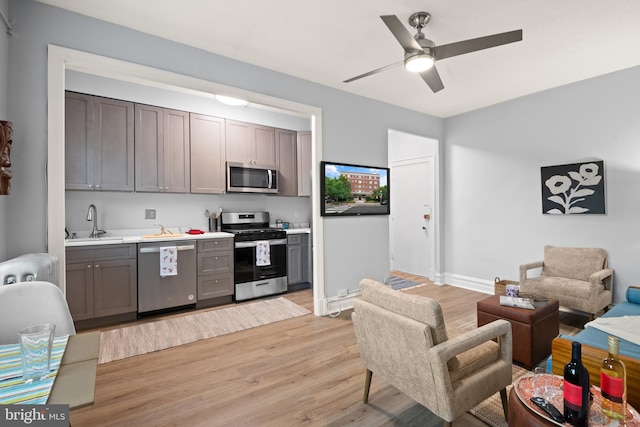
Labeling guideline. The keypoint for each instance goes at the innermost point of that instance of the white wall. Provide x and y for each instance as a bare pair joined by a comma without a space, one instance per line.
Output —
4,79
179,212
354,128
492,192
405,146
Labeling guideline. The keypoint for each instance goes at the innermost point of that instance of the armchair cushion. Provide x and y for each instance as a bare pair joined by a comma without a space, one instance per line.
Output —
573,263
466,362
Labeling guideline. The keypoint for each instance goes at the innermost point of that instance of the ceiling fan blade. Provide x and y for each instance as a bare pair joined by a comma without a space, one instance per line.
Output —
472,45
432,78
404,37
386,67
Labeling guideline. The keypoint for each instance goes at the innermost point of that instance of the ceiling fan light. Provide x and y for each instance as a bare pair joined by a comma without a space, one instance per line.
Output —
419,62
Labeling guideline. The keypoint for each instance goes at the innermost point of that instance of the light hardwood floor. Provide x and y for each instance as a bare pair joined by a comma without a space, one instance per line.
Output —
301,371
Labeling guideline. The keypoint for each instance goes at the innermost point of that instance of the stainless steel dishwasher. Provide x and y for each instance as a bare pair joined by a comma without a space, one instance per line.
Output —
156,292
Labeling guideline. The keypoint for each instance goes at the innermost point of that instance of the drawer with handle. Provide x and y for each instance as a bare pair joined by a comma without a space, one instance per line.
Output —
215,263
215,245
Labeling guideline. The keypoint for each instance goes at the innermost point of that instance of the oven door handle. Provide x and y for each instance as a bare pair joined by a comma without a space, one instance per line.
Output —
254,243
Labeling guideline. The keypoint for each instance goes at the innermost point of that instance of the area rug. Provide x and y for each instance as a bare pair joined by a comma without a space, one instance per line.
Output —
398,283
490,410
144,338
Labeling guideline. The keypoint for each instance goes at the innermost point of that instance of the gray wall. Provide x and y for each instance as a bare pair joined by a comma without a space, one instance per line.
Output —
491,161
354,128
4,80
492,179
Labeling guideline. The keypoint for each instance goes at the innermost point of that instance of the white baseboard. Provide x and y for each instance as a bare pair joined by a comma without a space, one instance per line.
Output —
333,306
466,282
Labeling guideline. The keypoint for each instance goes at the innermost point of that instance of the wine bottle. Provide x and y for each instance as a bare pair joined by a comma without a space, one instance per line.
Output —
576,389
613,383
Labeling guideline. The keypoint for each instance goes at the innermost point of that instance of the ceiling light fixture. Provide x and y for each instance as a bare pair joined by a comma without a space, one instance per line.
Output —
417,62
229,100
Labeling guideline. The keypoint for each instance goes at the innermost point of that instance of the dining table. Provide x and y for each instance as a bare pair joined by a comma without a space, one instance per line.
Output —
72,377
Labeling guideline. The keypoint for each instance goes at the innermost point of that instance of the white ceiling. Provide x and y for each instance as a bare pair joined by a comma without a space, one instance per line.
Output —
328,41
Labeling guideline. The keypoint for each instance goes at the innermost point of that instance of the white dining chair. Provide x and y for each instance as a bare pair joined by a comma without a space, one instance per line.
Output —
30,303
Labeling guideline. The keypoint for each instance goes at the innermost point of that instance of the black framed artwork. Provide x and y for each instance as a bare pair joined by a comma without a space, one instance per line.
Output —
576,188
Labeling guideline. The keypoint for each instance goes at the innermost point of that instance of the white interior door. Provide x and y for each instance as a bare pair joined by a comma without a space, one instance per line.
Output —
412,240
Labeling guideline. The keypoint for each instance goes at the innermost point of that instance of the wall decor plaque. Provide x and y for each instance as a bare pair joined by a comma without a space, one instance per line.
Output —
576,188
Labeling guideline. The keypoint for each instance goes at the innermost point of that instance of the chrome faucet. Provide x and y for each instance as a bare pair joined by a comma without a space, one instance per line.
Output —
92,215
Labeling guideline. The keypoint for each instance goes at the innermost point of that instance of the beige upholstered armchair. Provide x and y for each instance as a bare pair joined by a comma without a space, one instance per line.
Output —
402,338
577,277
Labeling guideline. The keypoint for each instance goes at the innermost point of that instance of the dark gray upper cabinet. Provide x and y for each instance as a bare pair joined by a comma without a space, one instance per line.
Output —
162,150
99,143
287,166
207,154
250,143
117,145
304,163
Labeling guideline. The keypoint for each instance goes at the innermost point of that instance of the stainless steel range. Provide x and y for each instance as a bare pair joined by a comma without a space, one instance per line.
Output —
260,266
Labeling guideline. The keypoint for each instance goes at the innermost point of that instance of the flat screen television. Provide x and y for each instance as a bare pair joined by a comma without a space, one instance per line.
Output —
348,190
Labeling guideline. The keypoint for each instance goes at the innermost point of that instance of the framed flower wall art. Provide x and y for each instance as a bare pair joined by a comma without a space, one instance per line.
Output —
576,188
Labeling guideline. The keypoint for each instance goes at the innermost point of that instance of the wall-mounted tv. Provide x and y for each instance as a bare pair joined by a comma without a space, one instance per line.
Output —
353,190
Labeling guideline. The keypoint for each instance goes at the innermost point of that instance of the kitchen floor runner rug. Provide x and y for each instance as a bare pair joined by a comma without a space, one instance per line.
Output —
490,410
148,337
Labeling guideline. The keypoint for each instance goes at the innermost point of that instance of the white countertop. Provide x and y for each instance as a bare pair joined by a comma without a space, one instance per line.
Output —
120,237
114,239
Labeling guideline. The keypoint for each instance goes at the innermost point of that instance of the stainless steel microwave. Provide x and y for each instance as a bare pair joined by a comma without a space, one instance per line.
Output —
251,178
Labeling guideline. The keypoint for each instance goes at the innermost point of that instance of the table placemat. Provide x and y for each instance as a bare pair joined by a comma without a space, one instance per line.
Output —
13,389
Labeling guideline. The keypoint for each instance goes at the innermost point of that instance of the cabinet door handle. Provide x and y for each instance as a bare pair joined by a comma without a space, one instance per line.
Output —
97,265
89,266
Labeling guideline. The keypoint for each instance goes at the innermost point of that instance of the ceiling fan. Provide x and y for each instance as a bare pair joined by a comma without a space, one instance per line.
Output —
420,53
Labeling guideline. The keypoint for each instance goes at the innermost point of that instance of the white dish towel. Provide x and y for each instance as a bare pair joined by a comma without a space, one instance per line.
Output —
168,261
263,253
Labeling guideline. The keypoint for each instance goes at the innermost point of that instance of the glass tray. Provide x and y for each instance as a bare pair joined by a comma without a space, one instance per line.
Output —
524,390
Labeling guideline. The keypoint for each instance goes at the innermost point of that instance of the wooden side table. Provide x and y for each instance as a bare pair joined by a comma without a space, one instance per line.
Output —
532,330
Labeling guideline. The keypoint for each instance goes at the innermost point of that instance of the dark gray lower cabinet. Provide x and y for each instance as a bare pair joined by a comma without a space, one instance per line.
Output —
298,259
101,281
215,270
294,259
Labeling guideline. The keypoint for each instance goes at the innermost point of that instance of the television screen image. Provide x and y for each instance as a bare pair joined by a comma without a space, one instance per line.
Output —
353,190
